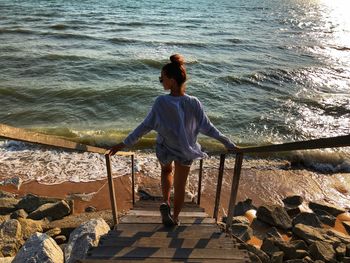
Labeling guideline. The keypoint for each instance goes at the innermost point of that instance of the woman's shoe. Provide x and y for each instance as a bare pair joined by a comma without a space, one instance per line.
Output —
167,220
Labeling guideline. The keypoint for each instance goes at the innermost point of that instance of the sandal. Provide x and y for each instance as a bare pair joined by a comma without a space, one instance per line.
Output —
167,220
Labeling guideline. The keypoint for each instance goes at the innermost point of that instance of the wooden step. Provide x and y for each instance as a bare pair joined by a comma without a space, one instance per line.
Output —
154,206
162,228
157,220
167,242
111,252
162,260
186,234
157,213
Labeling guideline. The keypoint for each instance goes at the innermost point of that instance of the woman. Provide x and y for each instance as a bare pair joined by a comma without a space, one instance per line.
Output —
177,118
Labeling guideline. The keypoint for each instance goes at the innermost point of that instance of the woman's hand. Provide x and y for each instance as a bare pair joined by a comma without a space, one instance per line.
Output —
232,148
116,148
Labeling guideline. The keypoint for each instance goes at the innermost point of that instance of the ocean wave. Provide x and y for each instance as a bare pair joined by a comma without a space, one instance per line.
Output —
59,26
123,40
52,166
16,31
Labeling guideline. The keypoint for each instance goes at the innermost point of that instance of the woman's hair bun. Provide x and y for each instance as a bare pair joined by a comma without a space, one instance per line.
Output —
177,59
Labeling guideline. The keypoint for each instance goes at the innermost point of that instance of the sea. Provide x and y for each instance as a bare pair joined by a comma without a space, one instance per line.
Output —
269,71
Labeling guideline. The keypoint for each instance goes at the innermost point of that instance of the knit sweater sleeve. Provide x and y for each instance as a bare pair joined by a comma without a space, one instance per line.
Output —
144,127
207,128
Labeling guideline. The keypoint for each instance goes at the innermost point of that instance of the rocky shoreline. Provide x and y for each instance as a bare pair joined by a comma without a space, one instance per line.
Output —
295,232
44,229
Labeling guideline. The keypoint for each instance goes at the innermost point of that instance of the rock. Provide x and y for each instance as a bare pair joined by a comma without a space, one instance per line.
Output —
53,232
308,260
31,202
4,194
308,233
340,251
243,231
83,238
71,222
323,251
277,257
242,207
333,210
90,209
60,239
4,218
10,237
346,225
325,217
29,227
261,254
274,215
348,250
53,211
299,245
14,181
293,200
6,259
294,261
309,219
39,248
346,260
292,211
11,229
239,220
300,254
8,205
269,246
336,236
21,213
273,232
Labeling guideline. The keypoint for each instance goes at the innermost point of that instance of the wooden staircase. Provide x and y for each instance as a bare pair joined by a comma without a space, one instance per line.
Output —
140,236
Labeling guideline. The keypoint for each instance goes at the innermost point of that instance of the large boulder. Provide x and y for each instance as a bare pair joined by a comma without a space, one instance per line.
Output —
31,202
332,209
53,211
8,205
83,238
39,248
274,215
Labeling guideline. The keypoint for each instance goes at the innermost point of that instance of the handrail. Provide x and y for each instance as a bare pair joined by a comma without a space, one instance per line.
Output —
13,133
331,142
9,132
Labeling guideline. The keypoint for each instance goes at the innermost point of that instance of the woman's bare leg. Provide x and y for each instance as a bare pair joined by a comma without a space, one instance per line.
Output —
180,178
166,181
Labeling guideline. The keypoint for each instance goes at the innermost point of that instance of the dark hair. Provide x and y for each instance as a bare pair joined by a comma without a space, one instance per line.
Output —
176,69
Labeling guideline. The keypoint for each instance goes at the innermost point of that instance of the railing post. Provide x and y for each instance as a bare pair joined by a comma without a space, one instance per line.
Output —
200,182
218,186
111,190
133,179
234,189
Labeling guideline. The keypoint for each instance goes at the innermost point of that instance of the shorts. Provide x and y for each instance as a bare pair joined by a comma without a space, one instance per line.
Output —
166,157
